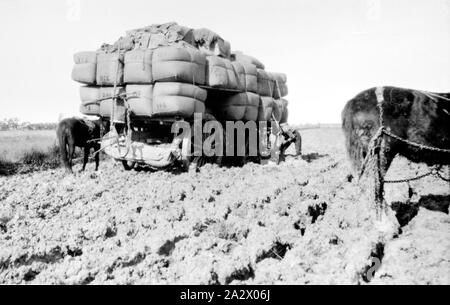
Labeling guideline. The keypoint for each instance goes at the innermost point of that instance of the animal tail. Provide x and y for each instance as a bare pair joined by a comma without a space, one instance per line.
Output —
63,143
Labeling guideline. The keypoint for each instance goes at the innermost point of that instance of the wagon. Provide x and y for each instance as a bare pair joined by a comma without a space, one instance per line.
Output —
157,78
154,141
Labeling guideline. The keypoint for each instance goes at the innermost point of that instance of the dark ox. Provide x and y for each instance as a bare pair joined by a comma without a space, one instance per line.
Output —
418,117
75,132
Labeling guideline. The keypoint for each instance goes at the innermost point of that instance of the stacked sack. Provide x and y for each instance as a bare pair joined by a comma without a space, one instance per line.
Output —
164,82
270,87
157,83
242,106
163,71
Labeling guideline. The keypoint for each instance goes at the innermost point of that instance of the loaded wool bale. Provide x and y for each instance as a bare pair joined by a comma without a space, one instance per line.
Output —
138,67
237,107
266,84
277,110
251,113
164,34
241,57
142,40
281,89
175,33
279,77
140,99
265,109
211,44
178,99
157,35
285,111
109,69
280,110
247,76
224,49
90,96
178,64
233,108
106,94
220,73
85,68
124,44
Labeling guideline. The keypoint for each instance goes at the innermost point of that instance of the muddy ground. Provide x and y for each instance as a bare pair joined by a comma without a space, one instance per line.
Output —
305,221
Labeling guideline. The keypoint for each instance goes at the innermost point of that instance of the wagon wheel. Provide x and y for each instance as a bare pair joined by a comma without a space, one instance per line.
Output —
276,147
202,160
190,162
242,160
264,139
128,165
218,160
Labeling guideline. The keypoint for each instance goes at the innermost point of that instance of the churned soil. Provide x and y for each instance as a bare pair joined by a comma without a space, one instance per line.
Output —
305,221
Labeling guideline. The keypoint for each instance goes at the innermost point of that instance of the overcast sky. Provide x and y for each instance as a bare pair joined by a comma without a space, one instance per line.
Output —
330,50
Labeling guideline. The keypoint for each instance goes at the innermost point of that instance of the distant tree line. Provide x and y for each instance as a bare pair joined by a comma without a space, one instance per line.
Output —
16,124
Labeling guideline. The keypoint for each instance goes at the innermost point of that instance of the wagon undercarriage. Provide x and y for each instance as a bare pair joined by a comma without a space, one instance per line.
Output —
152,143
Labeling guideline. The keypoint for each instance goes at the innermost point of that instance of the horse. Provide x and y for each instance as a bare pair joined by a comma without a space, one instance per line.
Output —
76,132
384,122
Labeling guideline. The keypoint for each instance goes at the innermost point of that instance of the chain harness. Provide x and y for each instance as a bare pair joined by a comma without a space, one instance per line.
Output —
377,142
